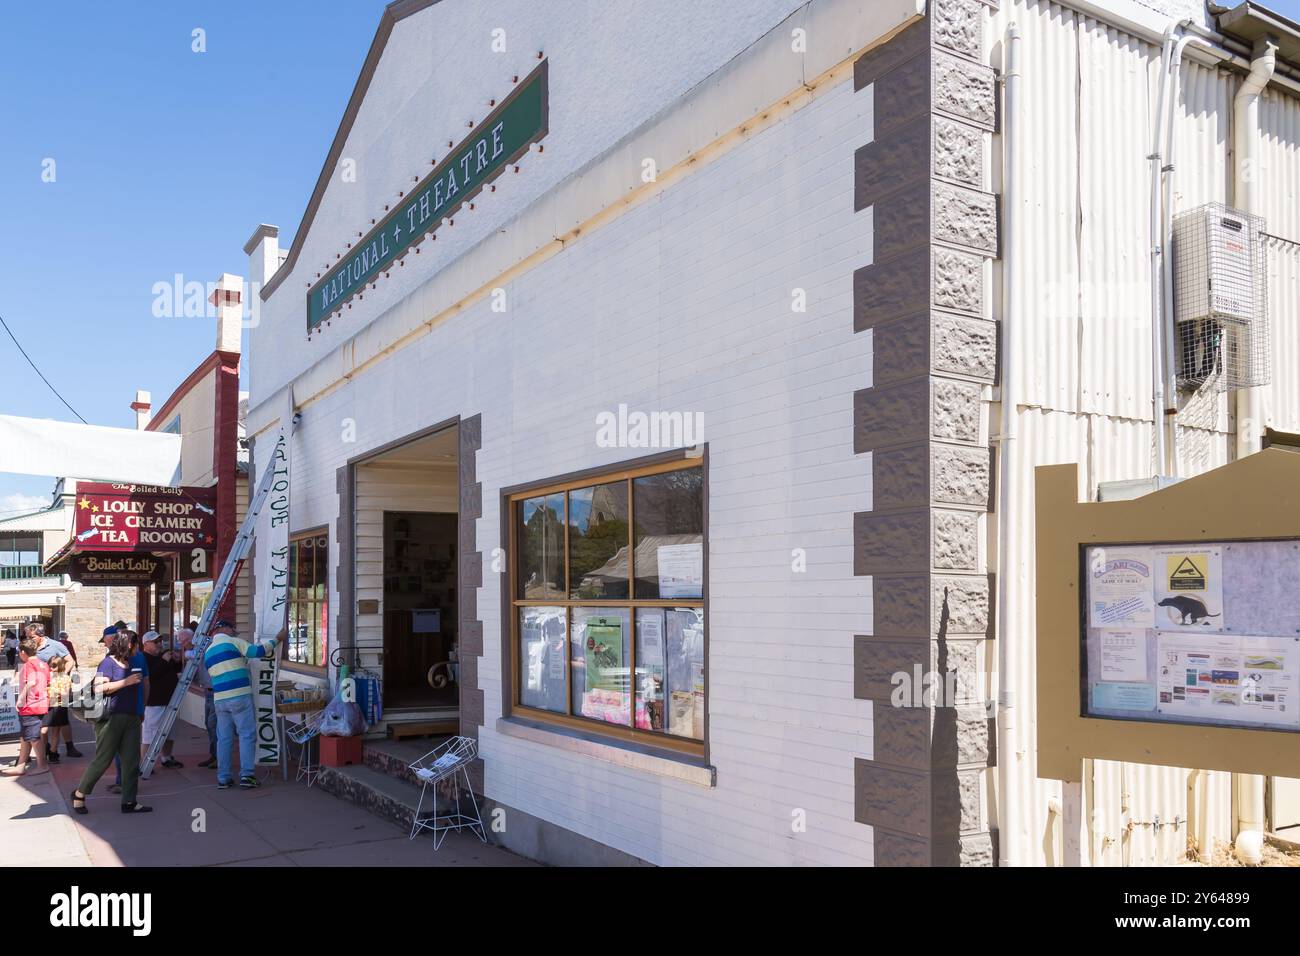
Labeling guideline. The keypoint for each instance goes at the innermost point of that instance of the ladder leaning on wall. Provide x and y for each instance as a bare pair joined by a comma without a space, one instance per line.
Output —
203,636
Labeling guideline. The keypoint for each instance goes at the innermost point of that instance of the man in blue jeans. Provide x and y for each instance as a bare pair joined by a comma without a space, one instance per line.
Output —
226,659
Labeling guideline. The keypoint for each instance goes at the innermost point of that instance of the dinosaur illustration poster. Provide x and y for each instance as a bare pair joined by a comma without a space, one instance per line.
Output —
1189,589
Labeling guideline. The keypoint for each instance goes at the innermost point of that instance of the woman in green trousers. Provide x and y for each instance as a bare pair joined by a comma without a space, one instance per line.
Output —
117,732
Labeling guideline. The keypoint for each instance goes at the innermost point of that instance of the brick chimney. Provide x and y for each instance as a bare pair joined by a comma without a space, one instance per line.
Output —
143,408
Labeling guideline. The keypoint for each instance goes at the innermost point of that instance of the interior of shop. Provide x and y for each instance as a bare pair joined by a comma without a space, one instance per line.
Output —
406,575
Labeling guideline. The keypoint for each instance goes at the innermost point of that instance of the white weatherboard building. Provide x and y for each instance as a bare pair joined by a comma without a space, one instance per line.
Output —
647,365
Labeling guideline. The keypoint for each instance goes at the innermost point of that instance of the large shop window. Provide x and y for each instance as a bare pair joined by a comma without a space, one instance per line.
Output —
308,599
607,609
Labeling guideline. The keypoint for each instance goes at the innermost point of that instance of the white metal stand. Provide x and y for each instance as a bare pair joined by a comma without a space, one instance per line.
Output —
303,734
447,765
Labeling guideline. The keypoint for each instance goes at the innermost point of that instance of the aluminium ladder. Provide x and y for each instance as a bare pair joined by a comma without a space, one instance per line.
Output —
203,636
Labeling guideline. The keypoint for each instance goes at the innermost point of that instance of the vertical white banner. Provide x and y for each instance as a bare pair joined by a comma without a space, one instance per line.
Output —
271,570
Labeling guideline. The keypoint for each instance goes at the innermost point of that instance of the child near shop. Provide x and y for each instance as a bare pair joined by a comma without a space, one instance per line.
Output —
33,702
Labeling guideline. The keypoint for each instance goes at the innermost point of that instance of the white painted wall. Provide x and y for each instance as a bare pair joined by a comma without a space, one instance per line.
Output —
682,303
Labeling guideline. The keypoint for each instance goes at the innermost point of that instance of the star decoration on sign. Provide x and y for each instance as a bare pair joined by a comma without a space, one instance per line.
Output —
84,503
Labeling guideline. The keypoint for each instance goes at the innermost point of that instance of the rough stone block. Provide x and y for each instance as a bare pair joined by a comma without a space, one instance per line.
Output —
963,346
955,540
890,415
959,605
892,798
958,281
901,349
959,475
963,89
965,217
901,221
902,94
901,606
955,410
893,542
891,848
956,801
898,159
957,151
958,25
891,288
900,476
876,661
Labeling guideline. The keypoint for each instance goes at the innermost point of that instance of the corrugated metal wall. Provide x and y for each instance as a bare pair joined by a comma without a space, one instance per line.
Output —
1082,357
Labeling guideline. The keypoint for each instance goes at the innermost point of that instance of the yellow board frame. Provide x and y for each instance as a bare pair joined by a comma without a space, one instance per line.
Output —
1255,498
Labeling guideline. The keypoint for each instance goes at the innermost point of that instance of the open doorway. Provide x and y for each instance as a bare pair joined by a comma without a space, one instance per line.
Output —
406,520
420,665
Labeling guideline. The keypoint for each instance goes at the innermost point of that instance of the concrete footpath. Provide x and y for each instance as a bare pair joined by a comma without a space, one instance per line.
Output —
195,824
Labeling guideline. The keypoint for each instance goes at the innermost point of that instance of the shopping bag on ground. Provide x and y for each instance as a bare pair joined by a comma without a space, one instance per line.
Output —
342,718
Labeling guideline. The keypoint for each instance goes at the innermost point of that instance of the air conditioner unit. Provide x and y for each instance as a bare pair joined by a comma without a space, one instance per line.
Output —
1220,299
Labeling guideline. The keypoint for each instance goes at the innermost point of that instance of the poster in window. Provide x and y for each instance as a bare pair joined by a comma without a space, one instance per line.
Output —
604,653
650,671
681,570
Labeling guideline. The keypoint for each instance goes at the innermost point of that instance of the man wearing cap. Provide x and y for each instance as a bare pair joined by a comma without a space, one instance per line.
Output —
164,674
227,659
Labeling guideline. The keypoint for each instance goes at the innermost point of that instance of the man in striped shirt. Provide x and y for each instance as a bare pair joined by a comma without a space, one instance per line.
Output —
226,660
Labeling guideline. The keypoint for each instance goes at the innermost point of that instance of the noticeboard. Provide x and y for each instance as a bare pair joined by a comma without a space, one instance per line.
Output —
1168,625
1193,632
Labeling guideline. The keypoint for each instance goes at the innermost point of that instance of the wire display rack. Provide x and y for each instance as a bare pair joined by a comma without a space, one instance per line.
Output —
1221,299
303,733
445,769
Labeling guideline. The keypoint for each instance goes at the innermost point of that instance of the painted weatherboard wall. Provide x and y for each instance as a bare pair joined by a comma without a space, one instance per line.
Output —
682,303
1082,352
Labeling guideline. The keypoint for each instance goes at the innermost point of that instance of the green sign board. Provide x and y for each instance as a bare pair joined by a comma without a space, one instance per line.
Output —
518,122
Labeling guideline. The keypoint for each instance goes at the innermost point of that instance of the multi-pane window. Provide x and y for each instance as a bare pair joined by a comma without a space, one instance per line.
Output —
607,609
20,550
307,641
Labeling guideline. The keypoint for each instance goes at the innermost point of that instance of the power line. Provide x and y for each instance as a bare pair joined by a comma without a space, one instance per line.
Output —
38,371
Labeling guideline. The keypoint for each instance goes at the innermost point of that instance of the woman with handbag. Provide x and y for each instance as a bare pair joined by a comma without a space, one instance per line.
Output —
117,731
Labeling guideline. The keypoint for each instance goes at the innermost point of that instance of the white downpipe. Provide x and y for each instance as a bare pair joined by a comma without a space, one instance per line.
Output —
1009,836
1157,253
1245,136
1174,71
1249,788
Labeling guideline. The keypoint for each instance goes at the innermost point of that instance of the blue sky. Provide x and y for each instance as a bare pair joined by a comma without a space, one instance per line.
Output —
165,161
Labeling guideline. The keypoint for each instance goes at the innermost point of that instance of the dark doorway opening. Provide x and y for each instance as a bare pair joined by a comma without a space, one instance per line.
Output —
421,666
